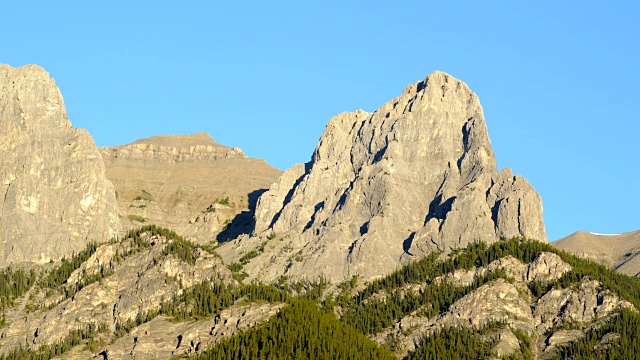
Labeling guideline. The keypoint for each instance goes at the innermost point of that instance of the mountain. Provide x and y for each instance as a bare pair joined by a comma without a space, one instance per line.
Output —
151,293
188,183
55,195
616,251
382,189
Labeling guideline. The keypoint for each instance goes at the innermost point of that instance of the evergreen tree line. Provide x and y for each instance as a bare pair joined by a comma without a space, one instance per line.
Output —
299,331
475,255
455,344
209,298
624,345
59,275
367,315
13,284
307,327
375,315
204,300
371,316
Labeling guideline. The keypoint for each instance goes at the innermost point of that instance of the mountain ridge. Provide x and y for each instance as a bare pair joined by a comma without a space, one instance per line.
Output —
616,251
370,250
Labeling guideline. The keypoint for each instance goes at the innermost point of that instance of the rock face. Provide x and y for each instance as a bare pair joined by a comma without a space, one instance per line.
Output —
188,183
55,196
617,251
162,338
416,176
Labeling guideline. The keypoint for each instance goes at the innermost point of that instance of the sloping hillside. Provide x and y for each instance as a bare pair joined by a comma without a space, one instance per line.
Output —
616,251
188,183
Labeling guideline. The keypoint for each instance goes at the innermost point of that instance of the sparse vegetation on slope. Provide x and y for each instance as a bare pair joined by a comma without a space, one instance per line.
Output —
83,335
623,331
137,218
57,277
55,280
375,315
13,284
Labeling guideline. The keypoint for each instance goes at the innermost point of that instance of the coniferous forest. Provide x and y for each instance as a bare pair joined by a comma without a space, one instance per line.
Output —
317,325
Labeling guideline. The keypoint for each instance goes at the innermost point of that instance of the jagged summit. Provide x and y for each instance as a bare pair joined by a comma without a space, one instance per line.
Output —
416,176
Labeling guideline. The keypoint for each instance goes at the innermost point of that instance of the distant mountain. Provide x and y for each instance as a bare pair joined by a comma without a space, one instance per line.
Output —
617,251
188,183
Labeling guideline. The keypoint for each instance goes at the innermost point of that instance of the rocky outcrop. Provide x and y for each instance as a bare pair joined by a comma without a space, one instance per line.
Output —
498,300
203,190
416,176
164,339
576,306
616,251
507,344
545,268
511,302
55,196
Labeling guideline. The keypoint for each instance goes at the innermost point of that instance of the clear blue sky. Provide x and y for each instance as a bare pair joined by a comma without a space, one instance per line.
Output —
558,80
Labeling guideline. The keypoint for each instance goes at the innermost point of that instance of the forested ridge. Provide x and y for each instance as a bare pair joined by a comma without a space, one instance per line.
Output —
369,315
312,325
299,331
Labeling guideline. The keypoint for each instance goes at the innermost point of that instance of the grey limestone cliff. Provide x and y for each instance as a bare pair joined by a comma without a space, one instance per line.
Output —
416,176
54,193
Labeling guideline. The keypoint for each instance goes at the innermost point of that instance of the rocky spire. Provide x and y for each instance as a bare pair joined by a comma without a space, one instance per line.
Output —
416,176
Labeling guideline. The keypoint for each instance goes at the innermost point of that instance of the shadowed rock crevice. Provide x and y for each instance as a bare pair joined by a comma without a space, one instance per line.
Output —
243,223
406,244
438,209
319,206
364,228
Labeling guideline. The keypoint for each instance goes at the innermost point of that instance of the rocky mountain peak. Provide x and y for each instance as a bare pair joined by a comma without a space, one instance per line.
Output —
416,176
56,197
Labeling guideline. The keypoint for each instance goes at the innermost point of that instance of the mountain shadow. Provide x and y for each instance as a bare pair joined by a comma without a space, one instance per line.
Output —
243,223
